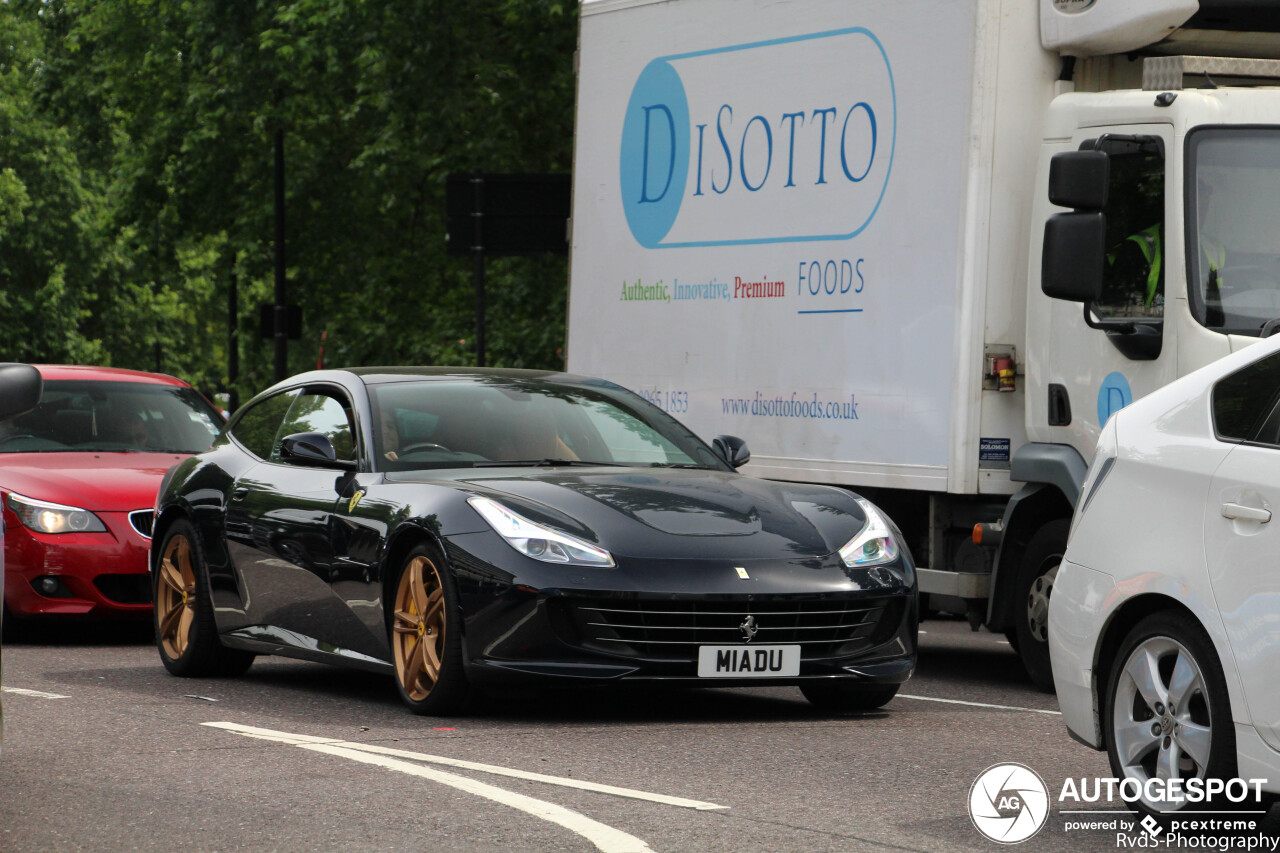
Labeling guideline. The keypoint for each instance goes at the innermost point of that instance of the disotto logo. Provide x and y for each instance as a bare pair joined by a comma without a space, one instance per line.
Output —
1009,803
785,140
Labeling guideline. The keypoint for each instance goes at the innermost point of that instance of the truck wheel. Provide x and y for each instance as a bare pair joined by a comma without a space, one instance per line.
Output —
1036,574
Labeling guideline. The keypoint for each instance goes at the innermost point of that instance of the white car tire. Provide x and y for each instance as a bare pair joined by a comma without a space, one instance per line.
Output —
1166,709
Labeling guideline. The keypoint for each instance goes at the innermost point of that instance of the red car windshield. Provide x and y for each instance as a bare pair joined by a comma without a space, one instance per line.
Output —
97,416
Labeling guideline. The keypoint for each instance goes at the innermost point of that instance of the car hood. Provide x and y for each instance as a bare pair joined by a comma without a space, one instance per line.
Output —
100,482
682,512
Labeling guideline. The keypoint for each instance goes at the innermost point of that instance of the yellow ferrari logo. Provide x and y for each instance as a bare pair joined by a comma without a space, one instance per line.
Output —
355,499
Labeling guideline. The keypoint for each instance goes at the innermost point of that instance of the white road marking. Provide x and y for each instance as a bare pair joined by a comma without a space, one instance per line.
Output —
978,704
604,837
39,694
298,740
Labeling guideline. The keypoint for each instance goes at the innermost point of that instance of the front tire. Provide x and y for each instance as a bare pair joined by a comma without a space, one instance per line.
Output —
426,636
1037,572
186,634
840,695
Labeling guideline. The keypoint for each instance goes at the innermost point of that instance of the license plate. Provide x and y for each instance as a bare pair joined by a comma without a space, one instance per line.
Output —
748,661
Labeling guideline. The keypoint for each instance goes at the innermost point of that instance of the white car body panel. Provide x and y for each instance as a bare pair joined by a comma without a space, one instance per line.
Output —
1073,627
1153,529
1244,568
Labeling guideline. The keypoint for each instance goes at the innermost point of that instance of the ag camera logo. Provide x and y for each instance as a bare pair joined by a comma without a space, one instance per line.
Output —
1009,803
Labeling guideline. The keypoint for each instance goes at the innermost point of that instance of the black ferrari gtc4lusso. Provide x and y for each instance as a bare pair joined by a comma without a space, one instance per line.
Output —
459,528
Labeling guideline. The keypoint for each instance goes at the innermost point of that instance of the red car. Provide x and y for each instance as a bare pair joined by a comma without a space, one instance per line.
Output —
78,482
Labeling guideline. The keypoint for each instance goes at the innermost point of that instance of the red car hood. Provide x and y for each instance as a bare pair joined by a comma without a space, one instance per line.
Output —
102,482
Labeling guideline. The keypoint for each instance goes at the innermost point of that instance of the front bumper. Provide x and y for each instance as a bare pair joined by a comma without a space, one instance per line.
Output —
97,574
647,620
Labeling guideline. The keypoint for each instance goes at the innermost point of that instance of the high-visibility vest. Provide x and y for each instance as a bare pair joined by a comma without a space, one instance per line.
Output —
1148,240
1216,254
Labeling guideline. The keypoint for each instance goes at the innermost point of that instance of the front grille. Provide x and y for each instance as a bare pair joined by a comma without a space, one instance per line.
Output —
143,520
672,630
125,589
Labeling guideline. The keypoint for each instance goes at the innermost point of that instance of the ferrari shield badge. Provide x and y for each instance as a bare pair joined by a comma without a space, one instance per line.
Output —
355,499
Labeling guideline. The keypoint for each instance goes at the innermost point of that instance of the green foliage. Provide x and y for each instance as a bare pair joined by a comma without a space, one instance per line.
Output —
136,177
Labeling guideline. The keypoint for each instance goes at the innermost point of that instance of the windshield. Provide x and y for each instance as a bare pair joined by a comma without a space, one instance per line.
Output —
104,416
494,420
1233,234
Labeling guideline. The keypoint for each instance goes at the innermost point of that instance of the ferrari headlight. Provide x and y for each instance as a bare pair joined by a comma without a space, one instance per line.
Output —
54,518
538,541
874,545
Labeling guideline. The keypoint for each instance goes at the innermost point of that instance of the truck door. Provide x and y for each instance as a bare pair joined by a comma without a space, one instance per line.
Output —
1119,347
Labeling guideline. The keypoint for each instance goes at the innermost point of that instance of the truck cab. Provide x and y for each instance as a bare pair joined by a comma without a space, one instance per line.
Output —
1157,246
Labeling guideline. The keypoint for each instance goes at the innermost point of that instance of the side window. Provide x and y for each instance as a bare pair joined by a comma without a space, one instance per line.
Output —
1243,403
258,429
1133,272
318,411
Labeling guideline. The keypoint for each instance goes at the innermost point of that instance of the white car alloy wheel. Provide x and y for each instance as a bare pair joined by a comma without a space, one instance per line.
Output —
1161,723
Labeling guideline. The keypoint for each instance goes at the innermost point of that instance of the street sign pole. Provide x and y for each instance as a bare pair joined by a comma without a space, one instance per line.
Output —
477,247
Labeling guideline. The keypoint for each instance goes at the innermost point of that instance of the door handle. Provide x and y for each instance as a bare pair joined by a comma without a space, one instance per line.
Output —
1245,513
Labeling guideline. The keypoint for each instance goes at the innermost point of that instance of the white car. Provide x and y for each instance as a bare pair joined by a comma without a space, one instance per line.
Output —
1164,625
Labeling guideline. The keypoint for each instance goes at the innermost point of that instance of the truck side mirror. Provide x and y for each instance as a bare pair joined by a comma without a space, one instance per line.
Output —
20,389
1071,261
731,449
1079,179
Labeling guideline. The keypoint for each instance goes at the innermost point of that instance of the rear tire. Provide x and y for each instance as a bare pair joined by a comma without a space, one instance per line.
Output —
186,634
424,624
1166,710
1036,573
840,695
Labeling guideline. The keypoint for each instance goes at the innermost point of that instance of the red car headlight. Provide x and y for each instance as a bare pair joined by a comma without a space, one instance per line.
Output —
48,517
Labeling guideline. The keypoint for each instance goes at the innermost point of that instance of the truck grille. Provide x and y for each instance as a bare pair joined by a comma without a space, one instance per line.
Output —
142,521
673,630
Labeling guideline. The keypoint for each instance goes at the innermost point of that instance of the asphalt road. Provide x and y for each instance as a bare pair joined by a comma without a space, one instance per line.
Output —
124,758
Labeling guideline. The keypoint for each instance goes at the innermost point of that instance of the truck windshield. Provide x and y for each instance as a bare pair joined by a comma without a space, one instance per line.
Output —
1233,233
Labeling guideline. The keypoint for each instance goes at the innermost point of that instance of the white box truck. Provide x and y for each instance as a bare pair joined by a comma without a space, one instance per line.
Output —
924,248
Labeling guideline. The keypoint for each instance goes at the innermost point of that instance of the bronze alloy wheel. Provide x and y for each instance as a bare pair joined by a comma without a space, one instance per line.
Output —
418,637
175,599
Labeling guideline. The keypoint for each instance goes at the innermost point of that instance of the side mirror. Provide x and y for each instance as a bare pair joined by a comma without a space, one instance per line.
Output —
1071,259
1071,262
312,450
1079,179
731,449
20,389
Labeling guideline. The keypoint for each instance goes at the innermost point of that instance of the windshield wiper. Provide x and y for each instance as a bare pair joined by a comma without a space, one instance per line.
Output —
543,463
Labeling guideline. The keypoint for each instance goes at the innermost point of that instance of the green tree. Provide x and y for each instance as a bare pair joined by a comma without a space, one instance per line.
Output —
168,109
